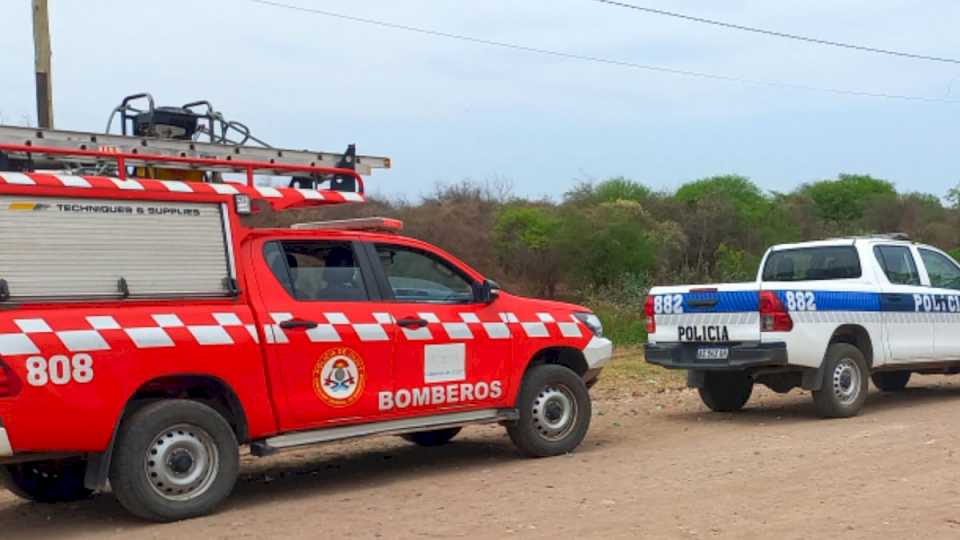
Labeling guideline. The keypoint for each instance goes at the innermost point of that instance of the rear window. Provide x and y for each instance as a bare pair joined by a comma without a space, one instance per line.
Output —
816,263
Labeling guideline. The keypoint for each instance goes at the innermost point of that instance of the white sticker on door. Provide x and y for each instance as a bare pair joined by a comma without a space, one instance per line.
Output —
444,363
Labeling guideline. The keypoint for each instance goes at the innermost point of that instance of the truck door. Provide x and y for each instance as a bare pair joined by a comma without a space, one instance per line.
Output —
943,275
451,352
329,344
908,325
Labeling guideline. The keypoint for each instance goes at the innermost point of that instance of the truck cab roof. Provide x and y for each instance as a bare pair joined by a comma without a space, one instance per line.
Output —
888,238
892,238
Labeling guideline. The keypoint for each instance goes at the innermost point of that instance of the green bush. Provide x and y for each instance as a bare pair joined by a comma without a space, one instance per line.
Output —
624,326
620,308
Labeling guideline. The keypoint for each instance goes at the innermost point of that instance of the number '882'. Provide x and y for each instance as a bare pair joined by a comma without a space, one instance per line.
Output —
671,303
800,300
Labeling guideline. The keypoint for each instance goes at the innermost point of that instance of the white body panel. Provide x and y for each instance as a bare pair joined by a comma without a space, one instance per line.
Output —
807,342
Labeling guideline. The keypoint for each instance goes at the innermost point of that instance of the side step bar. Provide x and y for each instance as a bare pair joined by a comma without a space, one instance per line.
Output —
272,445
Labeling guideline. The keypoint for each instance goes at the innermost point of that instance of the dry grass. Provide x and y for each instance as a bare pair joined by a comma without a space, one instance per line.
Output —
629,373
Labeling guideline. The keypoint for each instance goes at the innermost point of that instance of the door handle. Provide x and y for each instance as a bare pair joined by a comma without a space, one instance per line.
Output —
293,324
413,322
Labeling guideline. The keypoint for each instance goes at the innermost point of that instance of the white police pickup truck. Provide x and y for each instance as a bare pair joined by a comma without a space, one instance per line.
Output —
824,316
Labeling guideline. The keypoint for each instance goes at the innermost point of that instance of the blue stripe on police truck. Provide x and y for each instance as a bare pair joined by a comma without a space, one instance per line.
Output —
829,300
805,300
923,303
706,302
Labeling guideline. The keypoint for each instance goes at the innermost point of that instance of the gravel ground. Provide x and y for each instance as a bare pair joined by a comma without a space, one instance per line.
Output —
656,464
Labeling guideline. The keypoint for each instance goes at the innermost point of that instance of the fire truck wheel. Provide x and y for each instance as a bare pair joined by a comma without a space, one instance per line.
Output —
174,460
436,437
51,481
555,412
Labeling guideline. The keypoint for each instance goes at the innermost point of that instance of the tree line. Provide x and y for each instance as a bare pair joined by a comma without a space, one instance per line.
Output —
605,243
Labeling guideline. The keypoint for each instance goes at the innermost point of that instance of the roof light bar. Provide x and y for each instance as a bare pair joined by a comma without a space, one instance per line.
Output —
359,224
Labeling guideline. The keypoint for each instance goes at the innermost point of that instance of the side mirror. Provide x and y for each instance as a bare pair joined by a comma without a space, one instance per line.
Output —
486,292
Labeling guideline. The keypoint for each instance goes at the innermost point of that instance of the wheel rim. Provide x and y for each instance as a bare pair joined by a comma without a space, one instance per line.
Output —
846,381
555,412
182,463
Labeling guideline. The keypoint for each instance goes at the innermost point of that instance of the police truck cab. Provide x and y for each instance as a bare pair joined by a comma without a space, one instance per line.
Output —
826,316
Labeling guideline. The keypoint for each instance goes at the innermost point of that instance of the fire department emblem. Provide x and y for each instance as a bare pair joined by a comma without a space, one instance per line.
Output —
338,377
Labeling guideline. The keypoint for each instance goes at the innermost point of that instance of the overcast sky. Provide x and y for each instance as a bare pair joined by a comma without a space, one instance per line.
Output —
446,110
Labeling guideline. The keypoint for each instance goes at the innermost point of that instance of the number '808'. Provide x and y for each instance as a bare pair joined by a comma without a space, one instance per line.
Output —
671,303
59,369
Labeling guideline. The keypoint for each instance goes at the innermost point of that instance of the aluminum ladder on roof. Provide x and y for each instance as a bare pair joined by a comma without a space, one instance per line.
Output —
89,141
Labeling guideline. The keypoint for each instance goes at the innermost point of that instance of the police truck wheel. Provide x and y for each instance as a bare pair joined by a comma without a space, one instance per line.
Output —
436,437
51,481
174,460
891,381
555,412
725,391
845,382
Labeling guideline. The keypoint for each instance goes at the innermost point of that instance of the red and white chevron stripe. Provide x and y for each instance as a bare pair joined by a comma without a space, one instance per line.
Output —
279,198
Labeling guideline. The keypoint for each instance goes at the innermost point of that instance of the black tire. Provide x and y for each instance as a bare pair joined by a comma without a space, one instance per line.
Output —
436,437
845,382
146,475
725,391
890,381
51,481
548,391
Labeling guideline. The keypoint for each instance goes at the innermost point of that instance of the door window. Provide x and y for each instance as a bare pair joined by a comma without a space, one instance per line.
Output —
416,276
897,263
943,271
317,270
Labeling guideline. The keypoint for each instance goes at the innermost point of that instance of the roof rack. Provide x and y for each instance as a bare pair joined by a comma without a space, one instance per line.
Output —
878,236
893,236
279,198
27,175
92,149
380,224
216,165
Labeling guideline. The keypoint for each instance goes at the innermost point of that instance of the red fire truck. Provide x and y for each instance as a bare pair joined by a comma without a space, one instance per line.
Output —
149,328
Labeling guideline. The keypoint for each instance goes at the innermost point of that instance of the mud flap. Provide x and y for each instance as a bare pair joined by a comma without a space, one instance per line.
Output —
812,379
98,465
695,378
98,470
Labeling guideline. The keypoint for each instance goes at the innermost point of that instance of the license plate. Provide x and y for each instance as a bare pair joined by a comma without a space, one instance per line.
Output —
712,353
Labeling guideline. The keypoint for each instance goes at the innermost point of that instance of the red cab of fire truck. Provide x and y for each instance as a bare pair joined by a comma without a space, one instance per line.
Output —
149,328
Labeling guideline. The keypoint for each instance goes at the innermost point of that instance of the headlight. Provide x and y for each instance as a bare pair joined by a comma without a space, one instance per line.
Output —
592,322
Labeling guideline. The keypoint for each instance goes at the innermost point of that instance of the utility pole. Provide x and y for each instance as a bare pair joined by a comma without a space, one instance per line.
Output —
42,53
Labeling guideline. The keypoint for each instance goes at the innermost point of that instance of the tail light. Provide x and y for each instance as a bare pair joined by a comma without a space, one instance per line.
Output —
9,383
774,316
651,317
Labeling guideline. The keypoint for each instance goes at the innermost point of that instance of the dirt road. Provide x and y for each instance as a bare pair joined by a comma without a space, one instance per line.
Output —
654,465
